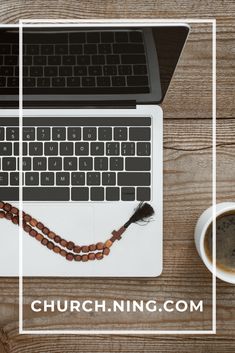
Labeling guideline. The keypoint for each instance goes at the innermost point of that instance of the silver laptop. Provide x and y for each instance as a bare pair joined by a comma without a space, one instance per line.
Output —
92,142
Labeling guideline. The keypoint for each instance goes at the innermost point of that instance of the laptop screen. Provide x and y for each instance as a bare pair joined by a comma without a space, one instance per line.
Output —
103,65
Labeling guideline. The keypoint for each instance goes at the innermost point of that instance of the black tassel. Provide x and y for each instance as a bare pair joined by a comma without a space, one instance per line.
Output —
142,212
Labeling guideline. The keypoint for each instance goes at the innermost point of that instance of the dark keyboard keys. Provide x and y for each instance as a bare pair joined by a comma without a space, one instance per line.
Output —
47,178
35,148
143,194
88,81
89,134
66,148
39,163
81,148
134,179
112,194
2,134
43,133
97,194
55,163
62,178
74,133
97,148
137,80
133,59
116,163
12,134
105,133
128,194
58,133
143,148
65,71
112,148
3,181
43,82
78,178
70,163
51,148
79,194
137,163
101,163
85,163
108,178
26,163
45,194
93,178
9,163
73,81
120,133
104,81
58,81
128,48
5,148
139,134
14,178
28,134
128,148
31,178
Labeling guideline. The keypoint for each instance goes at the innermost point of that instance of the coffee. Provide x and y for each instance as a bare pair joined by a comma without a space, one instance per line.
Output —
225,242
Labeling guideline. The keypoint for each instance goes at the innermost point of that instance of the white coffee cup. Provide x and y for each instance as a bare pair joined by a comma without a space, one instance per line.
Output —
202,225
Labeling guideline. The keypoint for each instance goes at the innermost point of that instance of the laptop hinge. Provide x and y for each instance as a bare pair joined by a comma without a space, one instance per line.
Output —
115,104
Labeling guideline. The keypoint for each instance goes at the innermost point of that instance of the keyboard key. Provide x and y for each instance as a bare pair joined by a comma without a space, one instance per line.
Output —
32,49
128,194
143,149
104,48
73,81
29,82
104,81
69,60
3,181
112,59
11,60
101,163
43,133
35,148
16,148
3,81
78,178
137,80
54,60
116,163
62,178
9,194
26,163
80,71
12,134
109,178
66,148
39,60
46,194
93,178
88,81
89,133
97,194
97,148
47,178
85,163
128,48
36,71
29,134
121,37
95,71
58,81
50,71
124,70
65,71
90,49
109,70
12,82
112,194
55,163
83,60
93,37
120,133
5,49
132,179
74,133
5,148
118,81
14,178
98,59
58,133
43,82
75,49
133,59
51,148
105,133
2,134
140,70
136,163
112,148
6,71
143,194
39,163
107,37
31,178
77,37
139,134
70,163
81,148
136,36
128,148
79,194
27,60
61,49
8,163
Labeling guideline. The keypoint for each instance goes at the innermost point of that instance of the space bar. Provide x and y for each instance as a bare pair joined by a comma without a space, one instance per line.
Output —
45,194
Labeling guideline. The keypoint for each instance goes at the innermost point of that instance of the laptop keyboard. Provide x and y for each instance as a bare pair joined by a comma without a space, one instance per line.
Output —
71,159
77,62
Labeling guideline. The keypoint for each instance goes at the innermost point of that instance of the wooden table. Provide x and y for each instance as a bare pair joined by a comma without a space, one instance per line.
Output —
187,192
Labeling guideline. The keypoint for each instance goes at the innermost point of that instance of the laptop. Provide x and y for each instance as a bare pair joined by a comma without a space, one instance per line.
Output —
92,142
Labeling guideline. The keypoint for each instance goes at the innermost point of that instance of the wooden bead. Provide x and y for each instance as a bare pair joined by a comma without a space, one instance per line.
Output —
108,243
69,257
51,235
7,207
33,222
100,246
40,226
15,220
44,241
106,251
77,257
85,248
56,249
99,256
39,237
77,249
27,228
92,247
45,230
84,258
1,204
9,216
63,252
91,256
57,239
70,245
33,233
50,245
15,210
63,243
2,214
27,218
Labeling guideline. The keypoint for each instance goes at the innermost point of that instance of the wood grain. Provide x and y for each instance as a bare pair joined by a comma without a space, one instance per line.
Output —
187,192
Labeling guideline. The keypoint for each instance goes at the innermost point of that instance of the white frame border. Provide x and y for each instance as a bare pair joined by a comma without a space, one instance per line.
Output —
120,22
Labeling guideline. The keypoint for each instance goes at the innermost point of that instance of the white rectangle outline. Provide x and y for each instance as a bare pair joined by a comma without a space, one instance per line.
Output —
120,22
